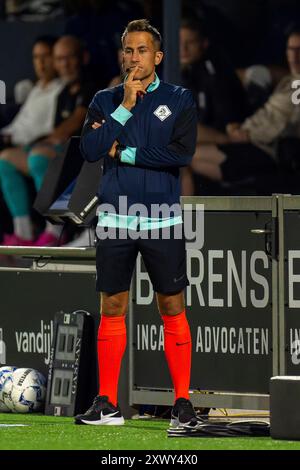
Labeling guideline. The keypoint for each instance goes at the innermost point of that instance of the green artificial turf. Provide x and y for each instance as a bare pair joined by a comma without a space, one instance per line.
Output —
49,432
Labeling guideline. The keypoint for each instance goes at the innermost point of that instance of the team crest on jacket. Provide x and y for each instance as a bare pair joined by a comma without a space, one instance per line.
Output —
162,112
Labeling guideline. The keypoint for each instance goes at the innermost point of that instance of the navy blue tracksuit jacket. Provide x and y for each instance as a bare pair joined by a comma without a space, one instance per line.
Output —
159,135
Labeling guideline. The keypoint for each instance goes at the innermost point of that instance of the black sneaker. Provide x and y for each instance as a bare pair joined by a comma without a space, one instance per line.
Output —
183,414
102,412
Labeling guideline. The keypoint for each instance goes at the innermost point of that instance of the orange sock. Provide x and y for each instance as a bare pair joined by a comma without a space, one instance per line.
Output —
111,348
178,351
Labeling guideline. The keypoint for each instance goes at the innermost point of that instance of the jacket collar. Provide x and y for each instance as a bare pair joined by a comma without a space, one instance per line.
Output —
153,85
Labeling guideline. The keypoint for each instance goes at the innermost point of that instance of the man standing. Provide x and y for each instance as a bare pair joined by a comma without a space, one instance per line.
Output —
145,130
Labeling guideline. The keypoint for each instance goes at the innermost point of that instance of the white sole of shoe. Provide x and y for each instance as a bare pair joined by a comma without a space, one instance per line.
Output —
174,423
108,422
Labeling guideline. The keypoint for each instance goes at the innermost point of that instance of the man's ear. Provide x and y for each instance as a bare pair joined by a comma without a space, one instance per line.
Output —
158,57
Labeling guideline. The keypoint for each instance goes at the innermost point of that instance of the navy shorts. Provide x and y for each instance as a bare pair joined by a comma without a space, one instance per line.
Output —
164,259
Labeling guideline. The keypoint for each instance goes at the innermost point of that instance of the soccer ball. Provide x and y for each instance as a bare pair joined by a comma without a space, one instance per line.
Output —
5,372
6,393
28,391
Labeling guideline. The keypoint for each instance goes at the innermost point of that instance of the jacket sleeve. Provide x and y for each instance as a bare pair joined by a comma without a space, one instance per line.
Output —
269,121
96,143
180,150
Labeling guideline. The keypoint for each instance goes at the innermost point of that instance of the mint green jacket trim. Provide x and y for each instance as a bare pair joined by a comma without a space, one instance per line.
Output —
151,223
133,221
117,221
128,155
154,84
121,114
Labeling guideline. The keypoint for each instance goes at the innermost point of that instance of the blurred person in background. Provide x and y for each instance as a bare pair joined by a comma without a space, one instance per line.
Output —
72,102
70,107
218,92
254,141
34,120
217,89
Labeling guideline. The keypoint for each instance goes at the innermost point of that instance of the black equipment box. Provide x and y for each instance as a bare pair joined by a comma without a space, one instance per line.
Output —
284,407
71,372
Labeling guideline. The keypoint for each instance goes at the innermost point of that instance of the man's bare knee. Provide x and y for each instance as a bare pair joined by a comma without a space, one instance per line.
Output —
170,304
114,304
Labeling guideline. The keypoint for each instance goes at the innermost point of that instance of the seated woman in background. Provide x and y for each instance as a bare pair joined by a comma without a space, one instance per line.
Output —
61,117
34,120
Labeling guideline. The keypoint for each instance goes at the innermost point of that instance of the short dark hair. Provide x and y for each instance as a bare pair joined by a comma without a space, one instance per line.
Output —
195,24
292,30
46,39
143,25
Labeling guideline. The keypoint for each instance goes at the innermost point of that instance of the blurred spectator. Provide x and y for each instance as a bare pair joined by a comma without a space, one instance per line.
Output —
258,84
70,107
72,104
35,118
231,24
69,57
280,15
252,151
218,92
33,10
